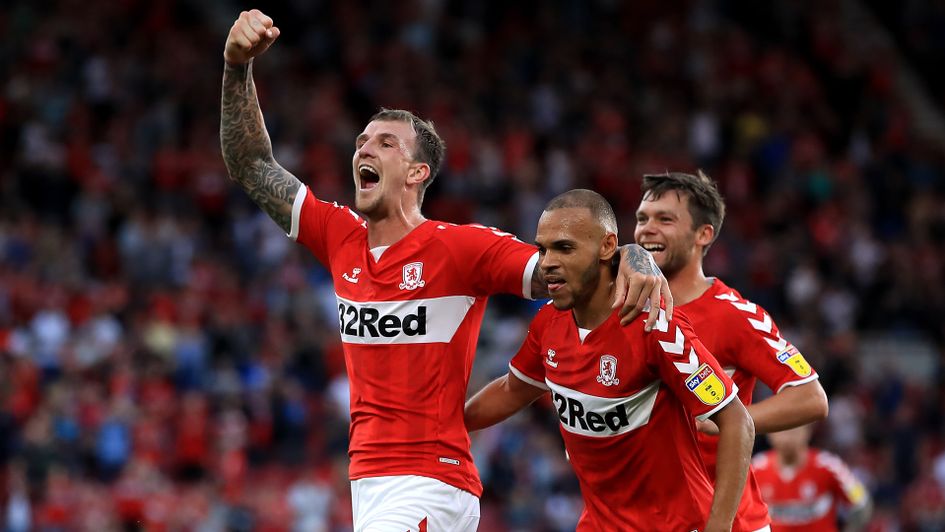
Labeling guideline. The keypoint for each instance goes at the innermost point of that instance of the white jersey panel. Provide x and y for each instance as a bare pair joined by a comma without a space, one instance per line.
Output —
414,321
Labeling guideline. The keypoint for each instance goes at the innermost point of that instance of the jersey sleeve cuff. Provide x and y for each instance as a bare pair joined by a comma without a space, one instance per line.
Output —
527,276
799,382
297,212
525,378
721,405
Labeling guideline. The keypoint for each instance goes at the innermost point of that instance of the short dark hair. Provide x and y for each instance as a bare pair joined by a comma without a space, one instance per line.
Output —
430,148
705,203
583,198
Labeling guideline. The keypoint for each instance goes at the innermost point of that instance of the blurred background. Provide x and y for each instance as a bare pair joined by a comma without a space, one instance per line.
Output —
170,361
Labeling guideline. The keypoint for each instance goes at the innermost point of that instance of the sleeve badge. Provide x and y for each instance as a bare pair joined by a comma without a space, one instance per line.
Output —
705,384
795,360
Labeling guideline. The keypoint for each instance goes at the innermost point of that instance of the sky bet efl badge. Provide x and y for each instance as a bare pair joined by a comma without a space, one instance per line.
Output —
707,387
795,360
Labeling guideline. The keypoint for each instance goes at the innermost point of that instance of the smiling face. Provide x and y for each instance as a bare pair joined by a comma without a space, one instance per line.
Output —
384,167
665,229
574,251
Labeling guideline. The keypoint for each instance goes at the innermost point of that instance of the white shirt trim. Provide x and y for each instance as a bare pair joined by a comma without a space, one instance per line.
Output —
297,212
721,405
525,378
798,382
582,333
378,251
527,276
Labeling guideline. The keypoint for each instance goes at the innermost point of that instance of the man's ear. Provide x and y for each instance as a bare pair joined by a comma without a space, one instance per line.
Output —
418,173
608,247
705,235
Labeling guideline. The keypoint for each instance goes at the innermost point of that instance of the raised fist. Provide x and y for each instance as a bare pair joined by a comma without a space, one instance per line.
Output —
251,35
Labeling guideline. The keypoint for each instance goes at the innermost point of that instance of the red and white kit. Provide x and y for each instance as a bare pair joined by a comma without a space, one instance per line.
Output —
806,498
627,401
747,343
409,324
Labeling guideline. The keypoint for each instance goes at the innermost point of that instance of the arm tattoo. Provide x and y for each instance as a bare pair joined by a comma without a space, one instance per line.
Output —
247,150
539,288
640,260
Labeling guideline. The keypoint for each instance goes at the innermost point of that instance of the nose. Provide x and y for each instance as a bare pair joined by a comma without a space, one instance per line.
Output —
547,261
366,150
643,228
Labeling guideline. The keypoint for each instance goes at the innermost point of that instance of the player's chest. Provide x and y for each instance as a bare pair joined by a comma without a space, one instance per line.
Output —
596,367
805,485
599,389
416,272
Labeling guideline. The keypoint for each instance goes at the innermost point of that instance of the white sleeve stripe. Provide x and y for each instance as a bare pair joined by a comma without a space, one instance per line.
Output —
721,405
798,382
527,276
297,212
526,378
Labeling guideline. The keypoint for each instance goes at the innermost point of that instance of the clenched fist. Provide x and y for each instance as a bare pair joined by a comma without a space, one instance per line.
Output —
251,35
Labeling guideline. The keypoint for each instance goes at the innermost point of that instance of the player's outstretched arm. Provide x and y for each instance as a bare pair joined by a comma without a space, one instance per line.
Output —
247,150
736,436
791,407
498,400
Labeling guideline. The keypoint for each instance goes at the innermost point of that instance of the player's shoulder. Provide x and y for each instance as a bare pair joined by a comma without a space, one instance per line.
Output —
468,234
348,213
728,304
827,460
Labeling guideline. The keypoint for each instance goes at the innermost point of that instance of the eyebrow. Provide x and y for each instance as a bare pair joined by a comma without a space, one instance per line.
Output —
658,213
556,243
383,136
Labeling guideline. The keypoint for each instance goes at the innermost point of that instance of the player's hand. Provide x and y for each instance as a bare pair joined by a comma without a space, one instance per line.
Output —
251,35
707,427
639,280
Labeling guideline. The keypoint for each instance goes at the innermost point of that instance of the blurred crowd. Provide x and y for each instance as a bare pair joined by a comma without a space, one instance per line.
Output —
170,361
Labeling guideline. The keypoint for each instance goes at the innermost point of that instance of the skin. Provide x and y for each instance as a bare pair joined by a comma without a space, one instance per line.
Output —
667,221
392,207
575,251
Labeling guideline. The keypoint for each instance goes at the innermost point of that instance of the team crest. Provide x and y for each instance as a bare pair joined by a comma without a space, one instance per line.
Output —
413,274
795,360
608,371
705,384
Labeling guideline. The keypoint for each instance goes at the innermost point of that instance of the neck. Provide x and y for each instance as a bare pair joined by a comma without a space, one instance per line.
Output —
591,313
689,283
792,459
386,230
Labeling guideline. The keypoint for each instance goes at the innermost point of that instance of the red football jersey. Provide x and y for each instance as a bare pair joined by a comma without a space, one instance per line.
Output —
626,400
747,343
409,325
806,498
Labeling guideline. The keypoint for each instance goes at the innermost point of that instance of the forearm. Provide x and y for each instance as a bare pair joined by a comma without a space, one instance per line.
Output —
858,517
736,436
247,150
792,407
497,401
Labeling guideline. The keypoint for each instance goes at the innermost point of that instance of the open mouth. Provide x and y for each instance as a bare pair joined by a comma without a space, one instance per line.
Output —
369,177
554,283
653,248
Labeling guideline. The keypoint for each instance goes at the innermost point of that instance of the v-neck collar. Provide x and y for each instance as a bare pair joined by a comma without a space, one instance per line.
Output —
391,248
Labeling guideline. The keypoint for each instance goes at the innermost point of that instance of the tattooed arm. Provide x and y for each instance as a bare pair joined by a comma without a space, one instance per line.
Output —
247,150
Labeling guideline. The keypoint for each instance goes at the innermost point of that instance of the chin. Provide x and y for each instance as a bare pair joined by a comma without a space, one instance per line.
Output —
562,303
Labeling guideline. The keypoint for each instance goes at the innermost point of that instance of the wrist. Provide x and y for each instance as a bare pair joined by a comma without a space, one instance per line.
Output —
231,65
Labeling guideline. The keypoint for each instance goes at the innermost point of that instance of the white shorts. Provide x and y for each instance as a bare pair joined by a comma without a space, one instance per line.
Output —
410,503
